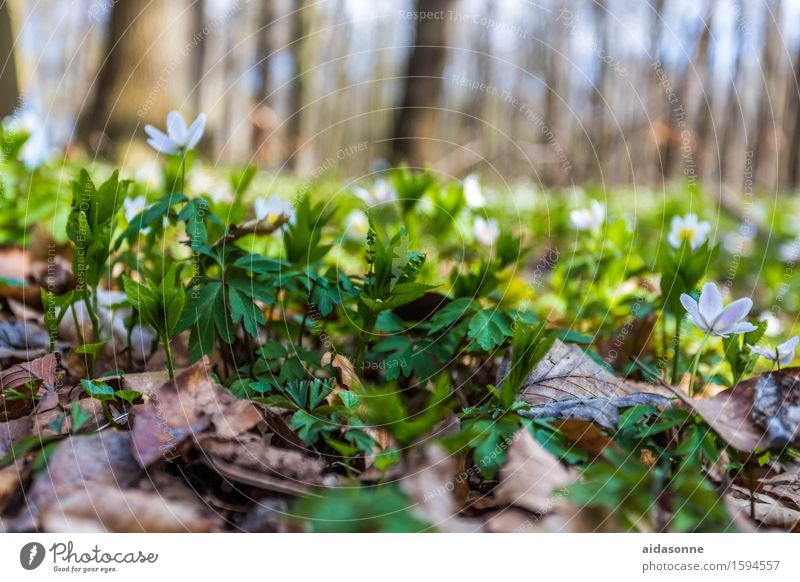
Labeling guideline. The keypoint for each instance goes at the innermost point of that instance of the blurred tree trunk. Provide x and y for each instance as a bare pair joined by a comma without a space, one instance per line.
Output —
9,86
146,71
295,98
262,113
423,87
793,114
199,53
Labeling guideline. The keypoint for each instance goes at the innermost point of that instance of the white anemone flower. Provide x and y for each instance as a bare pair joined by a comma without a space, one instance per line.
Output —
783,353
179,138
711,318
589,218
38,148
473,193
133,206
688,228
356,225
774,325
273,207
381,193
485,230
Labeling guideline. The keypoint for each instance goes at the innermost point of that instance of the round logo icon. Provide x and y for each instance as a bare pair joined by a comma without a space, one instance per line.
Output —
31,555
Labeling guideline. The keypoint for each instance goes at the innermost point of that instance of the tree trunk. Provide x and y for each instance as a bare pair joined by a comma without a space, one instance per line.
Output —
9,87
146,72
423,86
262,113
295,97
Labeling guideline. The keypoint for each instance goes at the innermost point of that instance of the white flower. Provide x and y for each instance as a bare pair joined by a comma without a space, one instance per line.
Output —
472,192
133,206
589,218
178,138
382,193
38,148
790,252
688,228
486,231
273,207
356,225
774,325
710,317
782,353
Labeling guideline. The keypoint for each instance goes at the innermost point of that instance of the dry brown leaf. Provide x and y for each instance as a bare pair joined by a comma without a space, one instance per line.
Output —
784,487
12,430
601,410
251,460
584,434
566,372
186,406
106,508
432,478
758,413
347,372
12,478
532,475
768,514
41,372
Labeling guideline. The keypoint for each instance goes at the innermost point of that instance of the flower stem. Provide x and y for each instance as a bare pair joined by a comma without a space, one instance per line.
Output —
695,363
676,344
183,172
168,352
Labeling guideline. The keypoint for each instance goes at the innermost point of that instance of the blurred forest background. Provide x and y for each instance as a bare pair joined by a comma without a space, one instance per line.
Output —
556,91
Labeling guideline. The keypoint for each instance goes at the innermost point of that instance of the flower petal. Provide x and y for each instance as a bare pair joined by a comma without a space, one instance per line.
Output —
163,144
195,132
790,344
176,128
690,305
726,321
710,303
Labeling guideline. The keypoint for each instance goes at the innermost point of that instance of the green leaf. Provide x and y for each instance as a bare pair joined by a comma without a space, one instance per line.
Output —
129,396
99,390
489,328
91,349
79,417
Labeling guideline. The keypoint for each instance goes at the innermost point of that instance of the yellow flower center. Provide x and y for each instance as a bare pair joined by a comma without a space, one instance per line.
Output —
686,234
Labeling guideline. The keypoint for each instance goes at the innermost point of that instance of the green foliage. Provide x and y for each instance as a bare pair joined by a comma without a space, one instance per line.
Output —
738,355
381,510
91,224
681,271
159,306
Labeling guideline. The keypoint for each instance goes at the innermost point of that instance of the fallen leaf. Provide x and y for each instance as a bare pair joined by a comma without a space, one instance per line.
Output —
105,508
532,475
432,478
186,406
41,372
12,479
347,371
12,430
601,410
784,487
759,413
566,372
251,460
768,514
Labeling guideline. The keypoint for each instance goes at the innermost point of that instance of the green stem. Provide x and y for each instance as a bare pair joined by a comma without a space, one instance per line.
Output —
168,352
695,363
677,348
183,174
90,303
